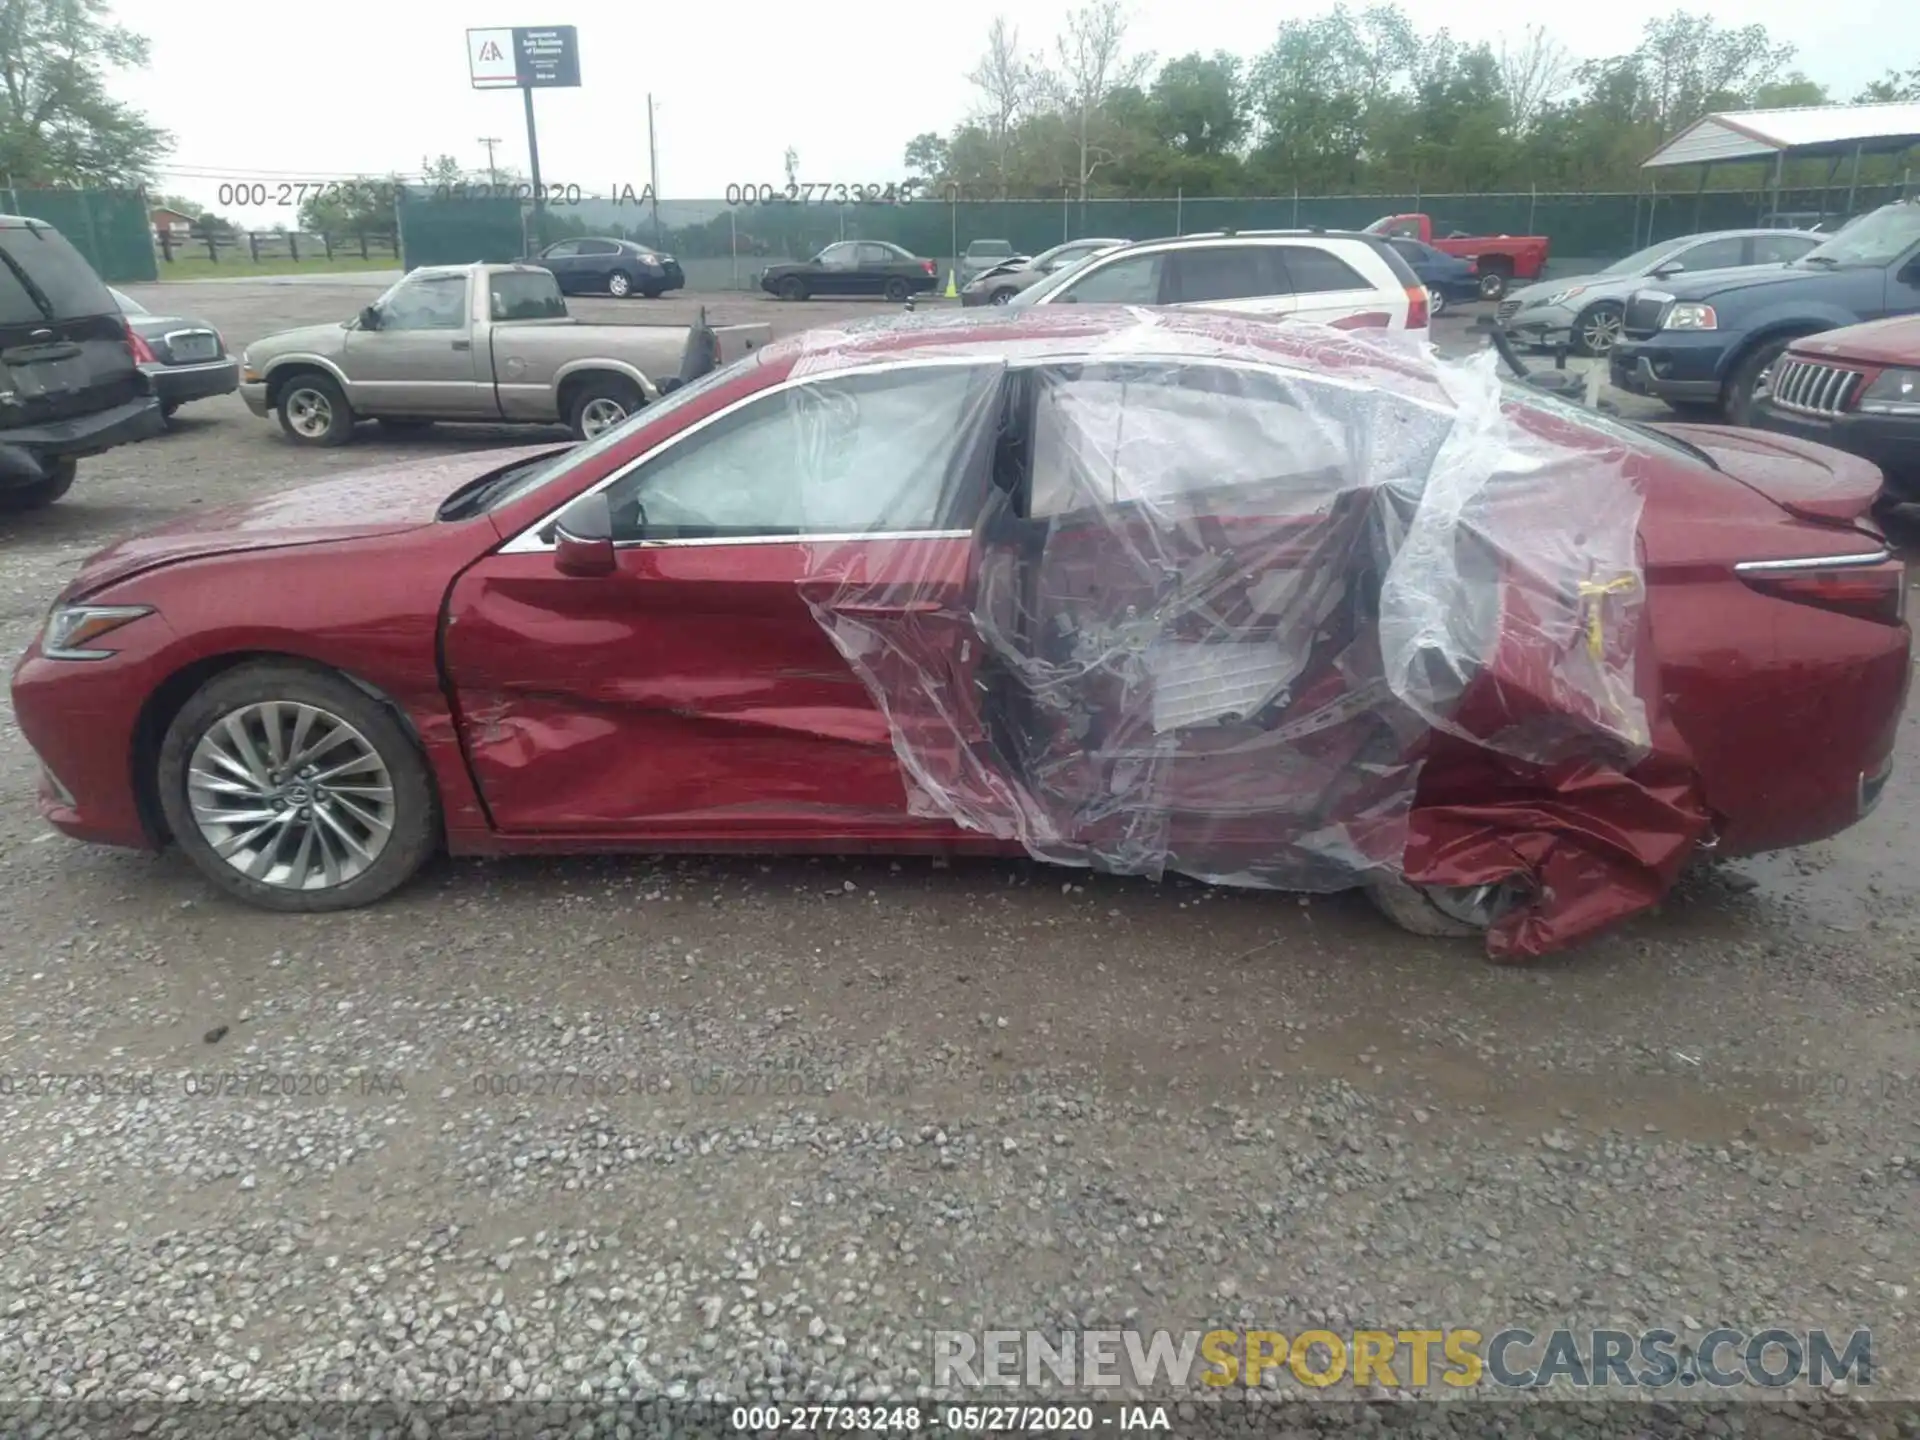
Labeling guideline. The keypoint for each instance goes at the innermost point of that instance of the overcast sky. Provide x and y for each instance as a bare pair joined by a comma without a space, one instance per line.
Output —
370,86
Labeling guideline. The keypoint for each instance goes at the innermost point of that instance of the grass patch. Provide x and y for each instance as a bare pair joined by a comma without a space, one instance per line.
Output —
237,266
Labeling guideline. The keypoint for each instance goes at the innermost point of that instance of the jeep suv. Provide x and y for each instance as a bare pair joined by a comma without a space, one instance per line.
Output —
69,386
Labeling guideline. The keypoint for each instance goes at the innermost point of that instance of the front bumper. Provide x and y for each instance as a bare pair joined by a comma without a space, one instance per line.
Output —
1678,366
254,394
177,384
25,450
1891,442
1544,326
79,718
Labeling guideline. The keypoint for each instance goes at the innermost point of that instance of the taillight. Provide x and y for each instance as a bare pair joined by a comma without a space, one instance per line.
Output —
1416,307
141,351
927,265
1867,592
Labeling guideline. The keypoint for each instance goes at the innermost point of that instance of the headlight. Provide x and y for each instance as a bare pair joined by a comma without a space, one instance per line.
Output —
1686,315
1896,392
248,375
648,259
72,629
1561,297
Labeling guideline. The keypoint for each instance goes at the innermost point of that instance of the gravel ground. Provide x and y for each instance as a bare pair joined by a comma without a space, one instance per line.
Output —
603,1132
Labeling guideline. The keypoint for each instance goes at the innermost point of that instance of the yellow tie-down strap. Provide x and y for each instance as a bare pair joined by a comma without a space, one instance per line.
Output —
1593,594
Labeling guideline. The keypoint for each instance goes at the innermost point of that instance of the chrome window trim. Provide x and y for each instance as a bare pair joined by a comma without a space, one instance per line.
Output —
1813,562
528,541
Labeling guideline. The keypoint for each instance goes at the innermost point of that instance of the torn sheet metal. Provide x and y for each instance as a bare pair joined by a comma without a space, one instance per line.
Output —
1292,615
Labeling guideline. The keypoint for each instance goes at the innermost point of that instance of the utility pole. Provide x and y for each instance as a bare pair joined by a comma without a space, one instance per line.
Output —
493,175
653,170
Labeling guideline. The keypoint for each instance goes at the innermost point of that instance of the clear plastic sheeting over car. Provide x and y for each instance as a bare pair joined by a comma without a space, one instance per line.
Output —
1194,606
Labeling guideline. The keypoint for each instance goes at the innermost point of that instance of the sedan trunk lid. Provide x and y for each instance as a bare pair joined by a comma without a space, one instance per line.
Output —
1809,481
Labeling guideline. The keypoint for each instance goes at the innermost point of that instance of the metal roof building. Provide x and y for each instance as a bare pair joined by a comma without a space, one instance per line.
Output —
1809,132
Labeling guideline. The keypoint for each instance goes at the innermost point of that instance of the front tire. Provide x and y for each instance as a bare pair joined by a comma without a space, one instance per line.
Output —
1749,380
1002,296
1444,912
600,405
41,493
619,284
313,411
294,790
792,287
1598,328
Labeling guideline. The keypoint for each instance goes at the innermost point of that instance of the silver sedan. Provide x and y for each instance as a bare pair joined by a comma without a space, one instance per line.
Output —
1584,312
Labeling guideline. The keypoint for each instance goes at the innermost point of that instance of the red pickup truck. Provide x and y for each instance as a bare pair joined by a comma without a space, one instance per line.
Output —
1499,260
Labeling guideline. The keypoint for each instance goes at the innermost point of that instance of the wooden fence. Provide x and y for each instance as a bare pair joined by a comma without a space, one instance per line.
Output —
242,247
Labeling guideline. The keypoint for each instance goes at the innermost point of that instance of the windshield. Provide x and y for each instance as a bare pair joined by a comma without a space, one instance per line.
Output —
1063,276
1641,261
517,483
1878,238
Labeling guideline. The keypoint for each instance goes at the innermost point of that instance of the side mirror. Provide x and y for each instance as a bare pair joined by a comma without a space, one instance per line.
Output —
1666,268
583,537
370,317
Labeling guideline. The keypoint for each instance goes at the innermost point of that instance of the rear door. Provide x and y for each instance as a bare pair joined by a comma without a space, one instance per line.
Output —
1179,606
63,341
695,692
1245,279
1328,289
563,260
879,264
597,262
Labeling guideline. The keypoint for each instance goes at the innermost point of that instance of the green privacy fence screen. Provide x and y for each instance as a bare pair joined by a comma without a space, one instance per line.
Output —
724,246
110,227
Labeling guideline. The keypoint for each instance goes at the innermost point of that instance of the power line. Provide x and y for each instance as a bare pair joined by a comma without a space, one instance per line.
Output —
493,175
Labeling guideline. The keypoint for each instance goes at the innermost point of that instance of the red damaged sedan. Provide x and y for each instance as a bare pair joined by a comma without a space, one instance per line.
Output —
1270,606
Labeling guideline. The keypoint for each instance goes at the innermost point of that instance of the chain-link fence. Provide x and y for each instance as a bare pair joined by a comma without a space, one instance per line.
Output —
724,246
110,227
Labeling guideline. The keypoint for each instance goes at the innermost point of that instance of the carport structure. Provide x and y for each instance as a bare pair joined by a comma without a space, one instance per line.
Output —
1833,133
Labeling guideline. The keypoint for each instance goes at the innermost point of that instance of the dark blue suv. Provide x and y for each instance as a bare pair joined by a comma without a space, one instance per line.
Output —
1707,343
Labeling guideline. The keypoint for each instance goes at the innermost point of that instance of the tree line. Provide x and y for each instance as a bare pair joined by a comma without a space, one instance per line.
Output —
1351,101
1345,101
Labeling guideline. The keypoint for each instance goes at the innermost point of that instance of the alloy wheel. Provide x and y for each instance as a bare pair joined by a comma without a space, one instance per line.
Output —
618,287
291,795
309,413
1436,301
600,413
1600,330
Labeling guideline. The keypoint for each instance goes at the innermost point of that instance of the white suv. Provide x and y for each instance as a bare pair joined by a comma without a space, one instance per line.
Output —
1333,277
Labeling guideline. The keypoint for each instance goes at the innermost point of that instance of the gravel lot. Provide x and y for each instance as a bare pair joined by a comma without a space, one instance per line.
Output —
822,1109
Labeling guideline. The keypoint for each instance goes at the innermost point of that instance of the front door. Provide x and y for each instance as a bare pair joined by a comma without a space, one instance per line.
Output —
563,259
838,270
420,361
696,693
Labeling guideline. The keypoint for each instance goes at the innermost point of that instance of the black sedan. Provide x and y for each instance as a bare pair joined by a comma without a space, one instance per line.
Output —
1447,277
596,266
183,359
853,267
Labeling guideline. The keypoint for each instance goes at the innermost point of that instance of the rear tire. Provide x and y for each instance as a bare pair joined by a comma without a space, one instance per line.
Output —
411,810
41,493
1408,907
897,290
1493,285
313,411
594,407
792,287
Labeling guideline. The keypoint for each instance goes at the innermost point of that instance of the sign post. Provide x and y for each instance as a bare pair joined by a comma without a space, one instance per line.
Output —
526,58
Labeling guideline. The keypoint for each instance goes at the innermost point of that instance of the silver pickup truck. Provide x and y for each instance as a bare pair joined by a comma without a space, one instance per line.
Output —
486,344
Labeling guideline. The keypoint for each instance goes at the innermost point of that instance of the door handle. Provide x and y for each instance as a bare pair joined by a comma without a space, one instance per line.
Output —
463,344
